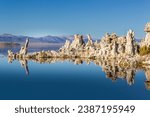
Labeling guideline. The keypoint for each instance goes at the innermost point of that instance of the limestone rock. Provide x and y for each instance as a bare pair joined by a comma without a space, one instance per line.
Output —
54,53
147,27
147,37
42,54
114,49
130,50
121,42
110,46
146,40
24,49
90,42
67,44
77,42
97,45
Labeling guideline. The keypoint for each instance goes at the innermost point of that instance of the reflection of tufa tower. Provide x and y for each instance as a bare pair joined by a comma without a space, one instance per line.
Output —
147,82
130,76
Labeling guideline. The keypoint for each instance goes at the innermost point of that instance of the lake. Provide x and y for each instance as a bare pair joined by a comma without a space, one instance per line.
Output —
55,79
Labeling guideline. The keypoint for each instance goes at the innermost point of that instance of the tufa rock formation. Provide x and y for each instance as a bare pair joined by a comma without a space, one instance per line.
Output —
24,49
146,40
123,48
22,53
78,42
147,30
130,48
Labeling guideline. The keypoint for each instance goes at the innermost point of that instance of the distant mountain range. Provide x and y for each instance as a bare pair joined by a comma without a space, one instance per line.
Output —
46,39
9,38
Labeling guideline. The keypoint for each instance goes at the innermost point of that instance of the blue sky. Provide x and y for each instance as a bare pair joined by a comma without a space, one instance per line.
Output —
63,17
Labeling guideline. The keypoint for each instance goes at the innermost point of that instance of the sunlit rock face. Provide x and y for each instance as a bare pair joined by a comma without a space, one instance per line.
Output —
89,49
146,40
24,49
111,46
77,42
130,50
72,49
108,45
121,44
147,27
147,30
67,45
90,42
66,48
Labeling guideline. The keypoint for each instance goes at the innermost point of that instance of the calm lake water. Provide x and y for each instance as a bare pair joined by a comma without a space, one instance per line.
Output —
67,80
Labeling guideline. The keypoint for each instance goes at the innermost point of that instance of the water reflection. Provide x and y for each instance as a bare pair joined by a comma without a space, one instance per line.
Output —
111,69
23,62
